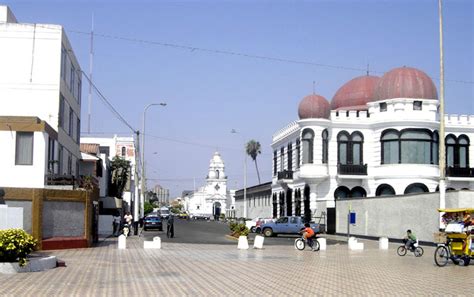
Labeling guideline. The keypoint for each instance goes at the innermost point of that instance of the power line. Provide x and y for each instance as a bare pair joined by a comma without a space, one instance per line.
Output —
108,104
245,55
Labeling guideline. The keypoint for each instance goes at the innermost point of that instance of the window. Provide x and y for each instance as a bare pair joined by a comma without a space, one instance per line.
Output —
385,190
61,111
282,159
308,141
71,122
104,150
73,79
60,159
283,220
457,151
298,152
416,188
325,146
78,130
24,148
69,164
383,106
79,91
63,63
123,151
290,157
342,192
417,105
274,162
358,192
293,220
350,148
410,146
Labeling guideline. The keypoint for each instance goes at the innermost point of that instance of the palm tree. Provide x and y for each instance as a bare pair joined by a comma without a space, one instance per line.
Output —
253,150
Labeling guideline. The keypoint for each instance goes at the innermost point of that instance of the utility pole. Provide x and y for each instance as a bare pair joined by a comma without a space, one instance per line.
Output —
442,151
137,182
91,59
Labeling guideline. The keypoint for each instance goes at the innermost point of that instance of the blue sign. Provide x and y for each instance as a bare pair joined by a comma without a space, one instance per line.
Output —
352,218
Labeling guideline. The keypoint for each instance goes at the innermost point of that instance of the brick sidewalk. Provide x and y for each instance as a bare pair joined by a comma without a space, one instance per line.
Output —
203,270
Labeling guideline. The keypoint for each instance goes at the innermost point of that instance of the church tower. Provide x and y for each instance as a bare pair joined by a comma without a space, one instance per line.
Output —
216,178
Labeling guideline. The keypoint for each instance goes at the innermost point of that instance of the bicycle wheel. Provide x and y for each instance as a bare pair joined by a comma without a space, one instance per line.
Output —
300,244
418,251
402,250
441,256
316,246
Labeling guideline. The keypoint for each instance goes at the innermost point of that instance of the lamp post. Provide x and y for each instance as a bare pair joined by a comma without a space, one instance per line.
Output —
142,198
233,131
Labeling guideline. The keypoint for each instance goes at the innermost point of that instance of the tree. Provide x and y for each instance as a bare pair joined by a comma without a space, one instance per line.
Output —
253,150
147,207
120,172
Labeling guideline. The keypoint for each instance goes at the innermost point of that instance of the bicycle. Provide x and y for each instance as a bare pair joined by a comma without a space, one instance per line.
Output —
312,242
416,249
444,253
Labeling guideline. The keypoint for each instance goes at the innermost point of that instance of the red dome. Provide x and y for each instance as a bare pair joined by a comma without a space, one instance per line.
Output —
314,106
355,93
405,82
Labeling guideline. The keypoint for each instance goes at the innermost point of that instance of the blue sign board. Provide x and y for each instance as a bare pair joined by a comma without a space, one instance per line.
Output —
352,218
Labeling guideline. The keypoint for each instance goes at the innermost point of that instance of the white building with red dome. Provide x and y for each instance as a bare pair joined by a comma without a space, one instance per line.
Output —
378,136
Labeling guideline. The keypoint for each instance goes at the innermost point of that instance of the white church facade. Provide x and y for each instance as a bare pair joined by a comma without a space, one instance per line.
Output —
378,136
214,198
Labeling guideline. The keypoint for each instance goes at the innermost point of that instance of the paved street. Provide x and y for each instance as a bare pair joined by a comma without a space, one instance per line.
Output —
180,269
209,232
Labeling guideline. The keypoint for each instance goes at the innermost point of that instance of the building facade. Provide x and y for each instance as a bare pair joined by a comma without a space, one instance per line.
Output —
213,198
40,84
378,136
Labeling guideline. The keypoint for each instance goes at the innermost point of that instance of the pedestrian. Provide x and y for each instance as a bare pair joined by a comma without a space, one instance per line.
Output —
116,224
128,218
170,227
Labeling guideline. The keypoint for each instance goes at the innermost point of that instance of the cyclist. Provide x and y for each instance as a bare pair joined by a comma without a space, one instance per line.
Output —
308,234
410,240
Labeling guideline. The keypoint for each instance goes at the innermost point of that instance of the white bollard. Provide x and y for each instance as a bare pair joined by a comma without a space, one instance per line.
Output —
258,242
383,243
243,243
322,243
122,242
155,244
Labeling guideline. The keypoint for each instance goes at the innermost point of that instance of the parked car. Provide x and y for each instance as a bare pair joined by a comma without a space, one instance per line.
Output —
287,225
258,227
152,222
252,224
201,217
183,215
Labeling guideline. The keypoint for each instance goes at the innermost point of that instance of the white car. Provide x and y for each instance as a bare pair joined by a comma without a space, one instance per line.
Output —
252,224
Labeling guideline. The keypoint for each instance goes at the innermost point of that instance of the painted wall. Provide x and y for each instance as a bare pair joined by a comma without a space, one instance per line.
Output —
27,176
26,206
392,215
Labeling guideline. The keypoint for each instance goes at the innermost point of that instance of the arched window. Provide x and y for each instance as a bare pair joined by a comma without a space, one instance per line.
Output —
308,143
325,136
217,174
390,147
297,202
298,152
289,205
282,204
342,192
416,188
385,190
282,159
124,151
457,151
275,205
290,156
306,210
358,192
410,146
350,148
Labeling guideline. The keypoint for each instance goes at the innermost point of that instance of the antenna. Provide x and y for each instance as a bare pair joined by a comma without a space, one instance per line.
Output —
91,60
314,87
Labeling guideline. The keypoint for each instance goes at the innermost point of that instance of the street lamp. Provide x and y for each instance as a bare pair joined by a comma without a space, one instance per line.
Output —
233,131
142,198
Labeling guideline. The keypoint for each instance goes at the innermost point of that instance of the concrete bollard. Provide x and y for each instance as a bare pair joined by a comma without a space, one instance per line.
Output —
155,244
383,243
322,243
243,243
352,244
122,242
258,242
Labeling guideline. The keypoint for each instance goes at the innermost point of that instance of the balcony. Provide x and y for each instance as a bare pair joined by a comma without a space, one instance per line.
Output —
460,171
346,169
285,174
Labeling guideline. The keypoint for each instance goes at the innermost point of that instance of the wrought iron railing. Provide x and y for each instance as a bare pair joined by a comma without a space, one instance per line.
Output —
460,171
346,169
285,174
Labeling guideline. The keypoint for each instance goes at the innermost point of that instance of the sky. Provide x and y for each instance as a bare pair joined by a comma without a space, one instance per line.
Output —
200,57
